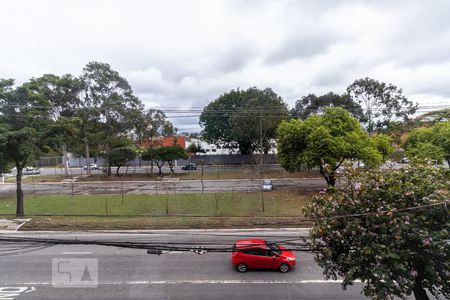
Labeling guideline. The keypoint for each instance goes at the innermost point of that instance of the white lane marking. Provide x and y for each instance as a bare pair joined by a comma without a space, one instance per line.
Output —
10,292
23,223
224,281
31,289
75,253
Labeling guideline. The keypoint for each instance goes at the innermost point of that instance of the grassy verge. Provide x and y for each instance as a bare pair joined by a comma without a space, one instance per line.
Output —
194,210
36,178
194,204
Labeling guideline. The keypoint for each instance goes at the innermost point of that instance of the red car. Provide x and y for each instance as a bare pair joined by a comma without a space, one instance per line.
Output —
259,254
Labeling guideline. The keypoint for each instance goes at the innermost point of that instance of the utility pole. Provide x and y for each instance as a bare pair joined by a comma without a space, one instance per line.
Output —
261,145
261,159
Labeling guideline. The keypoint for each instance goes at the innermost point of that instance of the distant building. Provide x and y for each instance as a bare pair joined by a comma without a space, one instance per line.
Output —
185,142
164,141
210,149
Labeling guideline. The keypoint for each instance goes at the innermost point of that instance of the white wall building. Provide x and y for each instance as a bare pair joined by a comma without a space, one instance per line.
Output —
212,149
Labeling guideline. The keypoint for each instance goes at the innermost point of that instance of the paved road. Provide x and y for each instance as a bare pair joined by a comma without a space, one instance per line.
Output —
155,187
133,274
75,171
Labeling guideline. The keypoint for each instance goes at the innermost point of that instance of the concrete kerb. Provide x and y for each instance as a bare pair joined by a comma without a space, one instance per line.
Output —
166,231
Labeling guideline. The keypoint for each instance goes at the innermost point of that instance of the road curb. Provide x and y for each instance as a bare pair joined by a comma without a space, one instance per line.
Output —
164,231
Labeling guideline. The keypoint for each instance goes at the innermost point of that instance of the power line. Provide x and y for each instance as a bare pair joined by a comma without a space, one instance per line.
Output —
31,244
382,212
201,110
158,248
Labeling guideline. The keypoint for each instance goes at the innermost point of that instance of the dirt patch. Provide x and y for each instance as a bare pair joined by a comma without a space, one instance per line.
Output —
153,223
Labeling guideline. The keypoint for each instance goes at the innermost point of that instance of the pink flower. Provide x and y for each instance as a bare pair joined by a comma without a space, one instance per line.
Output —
426,242
414,273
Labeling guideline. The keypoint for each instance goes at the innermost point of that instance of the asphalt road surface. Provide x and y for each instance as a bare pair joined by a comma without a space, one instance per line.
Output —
75,171
155,187
119,273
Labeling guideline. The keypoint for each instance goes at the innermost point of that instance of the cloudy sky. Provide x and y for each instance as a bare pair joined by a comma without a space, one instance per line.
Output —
186,53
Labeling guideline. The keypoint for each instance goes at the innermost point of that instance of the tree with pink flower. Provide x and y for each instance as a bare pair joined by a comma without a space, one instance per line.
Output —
390,229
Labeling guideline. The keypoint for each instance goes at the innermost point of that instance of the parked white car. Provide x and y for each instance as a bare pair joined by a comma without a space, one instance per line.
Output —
91,166
31,171
267,185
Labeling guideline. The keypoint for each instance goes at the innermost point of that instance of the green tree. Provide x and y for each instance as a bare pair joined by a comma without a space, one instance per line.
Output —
325,141
63,96
429,143
243,119
109,103
5,163
151,124
20,148
441,138
381,102
149,155
24,117
119,157
167,154
383,143
312,104
75,120
396,129
388,229
194,149
60,135
175,152
426,152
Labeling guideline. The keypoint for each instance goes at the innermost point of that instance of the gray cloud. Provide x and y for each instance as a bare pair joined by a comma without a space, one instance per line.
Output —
185,54
301,47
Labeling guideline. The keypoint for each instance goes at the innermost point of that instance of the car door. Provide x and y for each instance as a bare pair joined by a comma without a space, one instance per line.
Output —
259,258
250,258
267,260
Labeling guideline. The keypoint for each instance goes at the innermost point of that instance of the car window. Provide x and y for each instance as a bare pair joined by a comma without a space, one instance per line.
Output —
257,251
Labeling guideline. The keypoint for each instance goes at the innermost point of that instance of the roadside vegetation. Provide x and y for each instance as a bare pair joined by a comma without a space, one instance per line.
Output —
389,229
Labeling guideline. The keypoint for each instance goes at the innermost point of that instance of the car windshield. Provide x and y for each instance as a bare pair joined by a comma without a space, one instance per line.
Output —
267,182
274,248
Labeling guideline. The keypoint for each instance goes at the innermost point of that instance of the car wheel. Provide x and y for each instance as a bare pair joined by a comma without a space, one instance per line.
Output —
241,268
284,268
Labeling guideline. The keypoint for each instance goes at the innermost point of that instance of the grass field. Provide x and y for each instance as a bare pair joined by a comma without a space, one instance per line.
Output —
36,178
209,210
196,204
